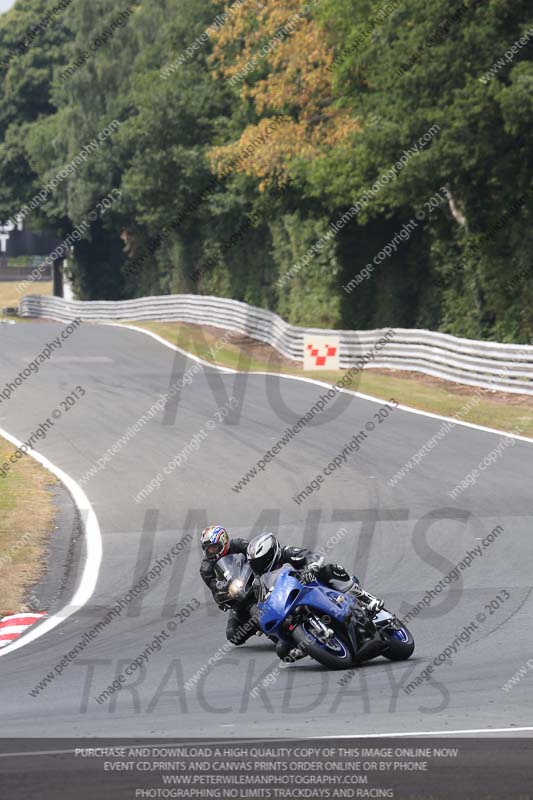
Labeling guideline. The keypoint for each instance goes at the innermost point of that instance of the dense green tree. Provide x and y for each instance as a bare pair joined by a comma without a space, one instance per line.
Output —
422,64
28,58
205,200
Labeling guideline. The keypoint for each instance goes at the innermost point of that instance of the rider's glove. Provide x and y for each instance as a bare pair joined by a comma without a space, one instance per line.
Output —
309,573
221,593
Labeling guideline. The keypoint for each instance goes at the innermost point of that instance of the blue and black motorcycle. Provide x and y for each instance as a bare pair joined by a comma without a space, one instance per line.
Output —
332,627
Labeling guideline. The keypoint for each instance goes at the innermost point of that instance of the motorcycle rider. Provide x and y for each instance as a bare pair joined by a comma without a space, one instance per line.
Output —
216,544
265,554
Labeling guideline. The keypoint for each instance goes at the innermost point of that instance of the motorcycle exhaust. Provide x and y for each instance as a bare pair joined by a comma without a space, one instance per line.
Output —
370,649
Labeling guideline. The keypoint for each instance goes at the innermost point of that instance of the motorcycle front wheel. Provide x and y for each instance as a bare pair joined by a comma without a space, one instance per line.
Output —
329,650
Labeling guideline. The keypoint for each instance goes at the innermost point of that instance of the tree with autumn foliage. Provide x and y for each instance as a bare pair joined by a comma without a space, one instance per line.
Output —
286,66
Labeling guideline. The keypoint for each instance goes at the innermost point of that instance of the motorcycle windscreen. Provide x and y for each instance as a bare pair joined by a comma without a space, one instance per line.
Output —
267,582
229,567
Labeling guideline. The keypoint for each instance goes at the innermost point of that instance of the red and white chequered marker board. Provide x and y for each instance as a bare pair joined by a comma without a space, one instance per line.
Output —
13,626
321,352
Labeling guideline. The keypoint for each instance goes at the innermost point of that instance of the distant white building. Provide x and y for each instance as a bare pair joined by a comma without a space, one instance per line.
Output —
5,231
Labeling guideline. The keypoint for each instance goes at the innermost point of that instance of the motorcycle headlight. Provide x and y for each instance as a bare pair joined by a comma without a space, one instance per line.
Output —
235,587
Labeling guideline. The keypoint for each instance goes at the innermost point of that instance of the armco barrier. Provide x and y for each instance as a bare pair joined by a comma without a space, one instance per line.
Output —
502,367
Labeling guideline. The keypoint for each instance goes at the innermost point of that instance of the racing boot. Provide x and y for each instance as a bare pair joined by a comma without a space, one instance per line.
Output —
342,581
371,603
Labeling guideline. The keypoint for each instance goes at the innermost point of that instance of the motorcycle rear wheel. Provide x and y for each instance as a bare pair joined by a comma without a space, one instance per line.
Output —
399,648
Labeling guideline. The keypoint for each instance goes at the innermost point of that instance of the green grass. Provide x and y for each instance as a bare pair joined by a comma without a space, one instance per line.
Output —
26,520
506,412
9,296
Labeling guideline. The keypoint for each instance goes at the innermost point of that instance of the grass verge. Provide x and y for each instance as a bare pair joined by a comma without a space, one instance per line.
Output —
500,410
10,297
26,519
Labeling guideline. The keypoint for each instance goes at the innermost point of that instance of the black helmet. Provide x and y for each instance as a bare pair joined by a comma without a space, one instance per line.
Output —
263,552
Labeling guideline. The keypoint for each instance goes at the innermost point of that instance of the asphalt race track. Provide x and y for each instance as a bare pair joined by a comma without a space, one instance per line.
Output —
401,540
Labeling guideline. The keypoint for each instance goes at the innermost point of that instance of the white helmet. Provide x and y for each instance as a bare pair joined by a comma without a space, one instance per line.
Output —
263,552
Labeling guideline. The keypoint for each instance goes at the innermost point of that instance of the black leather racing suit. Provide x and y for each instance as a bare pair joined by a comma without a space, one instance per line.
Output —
240,627
333,575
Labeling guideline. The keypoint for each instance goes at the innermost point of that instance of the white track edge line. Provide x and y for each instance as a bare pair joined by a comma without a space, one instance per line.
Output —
202,742
93,543
404,734
378,400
